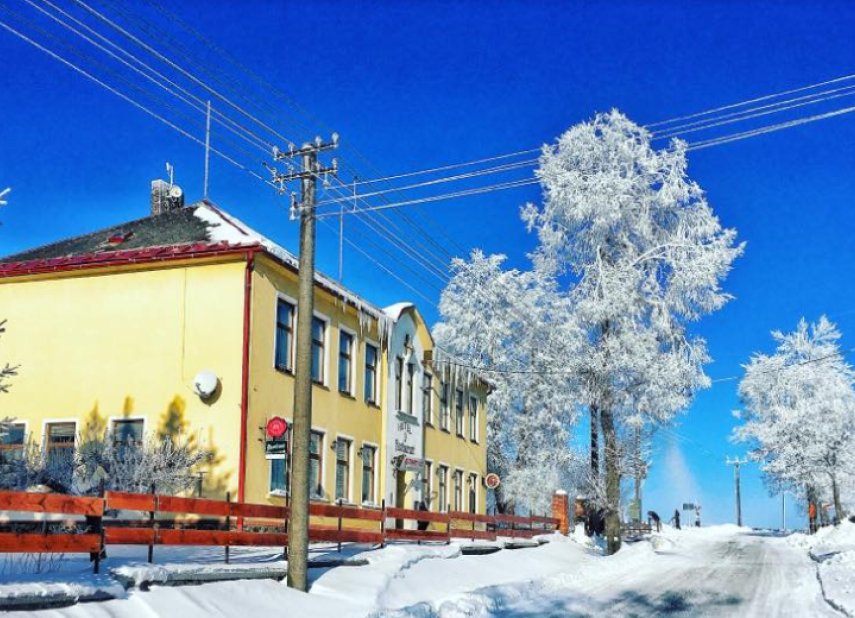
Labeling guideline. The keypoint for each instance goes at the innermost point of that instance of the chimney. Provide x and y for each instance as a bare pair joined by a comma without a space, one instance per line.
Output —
165,197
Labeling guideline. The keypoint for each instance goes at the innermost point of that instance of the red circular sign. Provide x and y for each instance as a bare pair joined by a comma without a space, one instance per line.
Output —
492,480
276,427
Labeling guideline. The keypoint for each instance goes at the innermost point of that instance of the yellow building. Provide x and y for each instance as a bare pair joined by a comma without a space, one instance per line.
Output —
121,328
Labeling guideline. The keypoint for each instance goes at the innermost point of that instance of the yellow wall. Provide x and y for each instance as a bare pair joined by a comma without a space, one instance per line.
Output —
128,343
272,391
447,448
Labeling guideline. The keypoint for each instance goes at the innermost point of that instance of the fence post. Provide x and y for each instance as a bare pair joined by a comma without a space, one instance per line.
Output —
152,525
97,526
448,529
383,523
228,524
338,536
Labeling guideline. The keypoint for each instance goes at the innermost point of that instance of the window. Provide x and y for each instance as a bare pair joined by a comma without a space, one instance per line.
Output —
12,442
370,373
458,490
458,412
443,404
369,454
279,467
411,372
319,329
127,434
427,398
473,493
342,469
473,418
443,487
284,335
345,362
399,374
60,441
316,457
426,479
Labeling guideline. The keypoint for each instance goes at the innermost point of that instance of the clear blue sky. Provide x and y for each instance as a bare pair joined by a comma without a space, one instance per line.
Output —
416,84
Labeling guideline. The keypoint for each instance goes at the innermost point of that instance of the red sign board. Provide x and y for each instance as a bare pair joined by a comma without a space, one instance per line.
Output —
276,427
492,480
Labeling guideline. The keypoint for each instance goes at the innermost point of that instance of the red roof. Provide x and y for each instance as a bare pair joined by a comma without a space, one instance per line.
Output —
130,256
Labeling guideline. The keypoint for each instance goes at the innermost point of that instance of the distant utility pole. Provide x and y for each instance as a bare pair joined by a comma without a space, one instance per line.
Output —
784,511
298,529
736,463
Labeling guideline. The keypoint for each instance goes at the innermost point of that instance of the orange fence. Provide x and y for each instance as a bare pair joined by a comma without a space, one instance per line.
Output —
223,523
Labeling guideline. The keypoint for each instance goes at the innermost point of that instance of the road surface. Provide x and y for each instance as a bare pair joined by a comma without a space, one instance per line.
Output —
731,572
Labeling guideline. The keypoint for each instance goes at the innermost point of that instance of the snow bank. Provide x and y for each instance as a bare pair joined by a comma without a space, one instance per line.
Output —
137,574
58,592
837,575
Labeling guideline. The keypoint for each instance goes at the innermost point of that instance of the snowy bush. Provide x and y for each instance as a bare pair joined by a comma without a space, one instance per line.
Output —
7,370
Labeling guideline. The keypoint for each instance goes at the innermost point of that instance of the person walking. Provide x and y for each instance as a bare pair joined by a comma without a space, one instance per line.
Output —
677,519
653,517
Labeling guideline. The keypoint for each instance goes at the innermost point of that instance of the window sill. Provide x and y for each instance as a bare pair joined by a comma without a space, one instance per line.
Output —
445,430
461,436
278,493
344,502
373,404
429,424
321,385
284,370
347,395
321,499
371,505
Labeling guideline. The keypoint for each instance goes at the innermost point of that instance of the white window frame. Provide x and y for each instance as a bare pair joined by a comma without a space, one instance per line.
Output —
322,472
26,425
433,468
462,504
475,429
427,415
354,358
448,469
291,360
375,474
377,361
477,496
348,499
325,369
52,421
112,420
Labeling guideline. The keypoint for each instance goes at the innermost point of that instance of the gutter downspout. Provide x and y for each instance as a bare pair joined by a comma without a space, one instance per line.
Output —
244,396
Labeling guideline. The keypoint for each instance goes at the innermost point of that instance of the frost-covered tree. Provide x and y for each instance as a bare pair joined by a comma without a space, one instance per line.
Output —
642,255
508,323
798,408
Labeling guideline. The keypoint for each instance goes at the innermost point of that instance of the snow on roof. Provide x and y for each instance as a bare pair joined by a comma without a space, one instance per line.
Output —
225,227
395,311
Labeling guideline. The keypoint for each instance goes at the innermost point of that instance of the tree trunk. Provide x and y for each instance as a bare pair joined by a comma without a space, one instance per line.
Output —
612,481
839,515
595,442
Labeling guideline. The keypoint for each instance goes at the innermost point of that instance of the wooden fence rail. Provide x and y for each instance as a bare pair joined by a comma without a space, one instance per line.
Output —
223,523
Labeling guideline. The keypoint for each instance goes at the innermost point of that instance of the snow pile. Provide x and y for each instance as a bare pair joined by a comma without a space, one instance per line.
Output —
837,575
140,573
47,592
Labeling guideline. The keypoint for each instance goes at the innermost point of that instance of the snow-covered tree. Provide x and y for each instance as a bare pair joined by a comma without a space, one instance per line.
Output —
642,255
508,323
799,412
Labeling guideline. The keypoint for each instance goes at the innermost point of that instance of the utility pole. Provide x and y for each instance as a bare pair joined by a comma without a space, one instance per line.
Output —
308,174
784,510
736,463
207,151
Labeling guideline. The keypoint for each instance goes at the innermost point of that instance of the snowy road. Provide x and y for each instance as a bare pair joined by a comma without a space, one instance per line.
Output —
711,572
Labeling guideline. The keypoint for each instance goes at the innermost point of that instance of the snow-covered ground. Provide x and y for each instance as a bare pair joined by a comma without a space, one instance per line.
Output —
716,571
834,549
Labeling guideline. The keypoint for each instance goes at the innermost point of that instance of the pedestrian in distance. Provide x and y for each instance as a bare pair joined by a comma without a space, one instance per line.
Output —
677,519
653,518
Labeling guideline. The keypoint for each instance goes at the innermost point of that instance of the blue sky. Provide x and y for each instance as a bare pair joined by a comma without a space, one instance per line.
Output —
418,84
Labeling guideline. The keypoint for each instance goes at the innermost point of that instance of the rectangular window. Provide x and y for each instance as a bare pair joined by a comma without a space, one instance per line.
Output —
127,434
319,330
399,383
427,398
342,469
458,412
345,362
59,442
444,393
370,373
458,490
316,460
369,454
411,372
443,488
12,442
284,335
473,493
426,479
473,418
279,467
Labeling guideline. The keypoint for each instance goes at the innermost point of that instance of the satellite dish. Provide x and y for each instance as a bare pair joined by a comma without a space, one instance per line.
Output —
205,384
175,192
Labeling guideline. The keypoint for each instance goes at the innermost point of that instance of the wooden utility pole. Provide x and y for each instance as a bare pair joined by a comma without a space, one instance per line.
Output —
736,463
298,528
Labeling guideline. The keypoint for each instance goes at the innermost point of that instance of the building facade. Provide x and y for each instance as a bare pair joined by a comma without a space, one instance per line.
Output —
112,330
